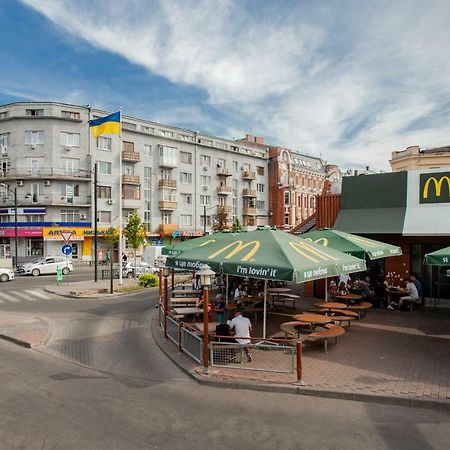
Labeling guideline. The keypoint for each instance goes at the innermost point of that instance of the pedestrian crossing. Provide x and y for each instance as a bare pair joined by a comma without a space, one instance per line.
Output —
27,295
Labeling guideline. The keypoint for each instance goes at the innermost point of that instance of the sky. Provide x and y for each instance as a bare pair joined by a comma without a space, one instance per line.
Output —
346,80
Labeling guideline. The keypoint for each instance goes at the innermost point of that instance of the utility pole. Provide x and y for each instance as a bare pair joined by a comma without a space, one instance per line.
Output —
15,228
95,224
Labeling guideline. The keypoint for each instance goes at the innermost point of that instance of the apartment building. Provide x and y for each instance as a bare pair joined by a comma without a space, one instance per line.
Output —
415,158
176,179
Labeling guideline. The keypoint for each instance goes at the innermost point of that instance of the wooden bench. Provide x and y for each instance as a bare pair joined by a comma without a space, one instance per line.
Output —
360,308
331,331
283,300
338,320
290,330
188,301
344,312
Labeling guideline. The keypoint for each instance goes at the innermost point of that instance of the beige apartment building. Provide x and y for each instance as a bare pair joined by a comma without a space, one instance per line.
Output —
413,158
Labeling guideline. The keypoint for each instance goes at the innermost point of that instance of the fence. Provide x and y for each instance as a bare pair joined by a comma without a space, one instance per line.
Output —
192,344
172,330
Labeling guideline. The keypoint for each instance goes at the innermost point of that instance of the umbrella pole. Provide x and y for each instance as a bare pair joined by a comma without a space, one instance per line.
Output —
326,289
226,289
265,309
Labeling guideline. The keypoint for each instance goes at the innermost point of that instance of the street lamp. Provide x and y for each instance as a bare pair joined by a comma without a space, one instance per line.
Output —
205,274
15,221
166,273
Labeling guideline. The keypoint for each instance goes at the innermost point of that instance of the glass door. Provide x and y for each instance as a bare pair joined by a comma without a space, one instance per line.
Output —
35,192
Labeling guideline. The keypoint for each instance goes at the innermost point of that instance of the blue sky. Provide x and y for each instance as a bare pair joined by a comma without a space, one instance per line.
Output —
349,80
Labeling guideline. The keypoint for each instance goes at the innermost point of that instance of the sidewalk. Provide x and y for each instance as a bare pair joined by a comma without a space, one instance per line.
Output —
28,332
394,357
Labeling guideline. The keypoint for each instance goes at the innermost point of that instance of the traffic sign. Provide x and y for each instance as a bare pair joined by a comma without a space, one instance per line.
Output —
66,235
66,249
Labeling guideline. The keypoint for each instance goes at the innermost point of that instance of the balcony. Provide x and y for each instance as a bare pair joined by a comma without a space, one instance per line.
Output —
224,190
167,205
131,203
130,156
222,172
249,211
249,193
48,200
44,173
168,183
130,179
247,175
225,209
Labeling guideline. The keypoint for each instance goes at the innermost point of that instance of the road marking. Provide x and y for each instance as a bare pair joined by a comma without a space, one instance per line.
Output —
38,294
9,298
25,296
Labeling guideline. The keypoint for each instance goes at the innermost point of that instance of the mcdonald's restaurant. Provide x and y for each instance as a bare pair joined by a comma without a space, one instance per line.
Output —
410,209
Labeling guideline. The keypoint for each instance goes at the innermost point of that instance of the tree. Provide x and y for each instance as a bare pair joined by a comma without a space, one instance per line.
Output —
220,220
236,226
135,234
112,236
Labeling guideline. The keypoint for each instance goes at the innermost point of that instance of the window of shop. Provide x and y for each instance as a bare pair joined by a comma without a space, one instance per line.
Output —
34,246
5,248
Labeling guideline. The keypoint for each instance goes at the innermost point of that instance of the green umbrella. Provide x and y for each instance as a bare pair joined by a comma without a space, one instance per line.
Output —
268,254
439,257
190,244
352,244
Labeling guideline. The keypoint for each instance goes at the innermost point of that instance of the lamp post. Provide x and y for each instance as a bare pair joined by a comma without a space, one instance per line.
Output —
206,275
159,262
166,273
15,221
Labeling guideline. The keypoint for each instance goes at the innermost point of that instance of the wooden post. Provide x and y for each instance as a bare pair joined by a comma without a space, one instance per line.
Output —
166,302
205,329
173,279
299,346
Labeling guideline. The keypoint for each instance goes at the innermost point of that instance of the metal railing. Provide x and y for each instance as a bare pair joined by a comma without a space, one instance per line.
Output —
44,172
192,344
172,330
258,355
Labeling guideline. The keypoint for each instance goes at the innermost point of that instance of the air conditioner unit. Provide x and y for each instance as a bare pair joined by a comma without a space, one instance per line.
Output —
205,168
205,188
83,217
110,201
68,147
33,146
20,183
47,183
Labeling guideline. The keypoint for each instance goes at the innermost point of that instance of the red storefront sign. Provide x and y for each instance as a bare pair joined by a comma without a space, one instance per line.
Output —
21,232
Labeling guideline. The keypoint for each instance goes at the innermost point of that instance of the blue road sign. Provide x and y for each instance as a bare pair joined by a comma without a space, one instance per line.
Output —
66,249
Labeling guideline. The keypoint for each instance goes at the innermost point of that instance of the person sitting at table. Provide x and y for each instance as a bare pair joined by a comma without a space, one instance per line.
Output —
220,308
412,297
332,289
413,278
364,287
238,293
242,329
379,290
342,289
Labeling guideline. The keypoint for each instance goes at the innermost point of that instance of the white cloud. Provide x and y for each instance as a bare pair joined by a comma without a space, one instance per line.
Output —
348,82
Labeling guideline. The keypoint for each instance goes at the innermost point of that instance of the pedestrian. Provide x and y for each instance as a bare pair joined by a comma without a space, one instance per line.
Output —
242,329
124,258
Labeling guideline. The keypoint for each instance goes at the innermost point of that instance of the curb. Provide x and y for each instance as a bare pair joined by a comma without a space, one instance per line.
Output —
26,344
89,297
442,405
15,341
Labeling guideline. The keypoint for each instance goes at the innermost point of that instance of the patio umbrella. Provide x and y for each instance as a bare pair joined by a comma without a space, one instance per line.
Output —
270,255
439,257
352,244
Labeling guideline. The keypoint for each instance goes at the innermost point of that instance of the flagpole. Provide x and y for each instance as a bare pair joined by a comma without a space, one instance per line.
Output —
120,200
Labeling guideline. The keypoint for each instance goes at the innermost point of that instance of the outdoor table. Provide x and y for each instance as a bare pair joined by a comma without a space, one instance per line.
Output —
185,292
250,299
231,306
187,311
347,298
184,286
278,290
360,308
188,301
312,319
330,305
211,327
394,293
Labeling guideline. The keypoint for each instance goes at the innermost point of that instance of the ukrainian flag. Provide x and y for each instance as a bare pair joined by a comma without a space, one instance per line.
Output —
106,125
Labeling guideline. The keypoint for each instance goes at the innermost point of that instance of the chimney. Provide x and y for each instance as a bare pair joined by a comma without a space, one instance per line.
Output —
259,140
249,138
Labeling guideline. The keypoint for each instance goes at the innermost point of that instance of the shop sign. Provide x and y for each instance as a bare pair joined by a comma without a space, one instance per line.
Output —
192,233
78,234
434,187
21,232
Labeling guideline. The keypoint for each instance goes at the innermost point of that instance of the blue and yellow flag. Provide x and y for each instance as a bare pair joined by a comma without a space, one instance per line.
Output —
106,125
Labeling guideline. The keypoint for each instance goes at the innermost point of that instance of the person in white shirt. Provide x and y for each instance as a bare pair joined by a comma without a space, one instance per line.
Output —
345,278
242,328
413,294
238,292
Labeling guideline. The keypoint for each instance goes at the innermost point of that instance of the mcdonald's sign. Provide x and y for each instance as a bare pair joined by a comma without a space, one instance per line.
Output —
435,187
237,247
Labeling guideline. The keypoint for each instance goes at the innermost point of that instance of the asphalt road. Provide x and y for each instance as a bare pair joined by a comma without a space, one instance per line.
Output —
102,383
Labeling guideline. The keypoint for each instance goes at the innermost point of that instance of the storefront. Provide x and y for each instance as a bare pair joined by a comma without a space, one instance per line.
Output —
410,209
29,242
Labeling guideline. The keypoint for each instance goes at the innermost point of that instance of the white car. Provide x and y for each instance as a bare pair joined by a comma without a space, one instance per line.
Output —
46,266
142,267
6,274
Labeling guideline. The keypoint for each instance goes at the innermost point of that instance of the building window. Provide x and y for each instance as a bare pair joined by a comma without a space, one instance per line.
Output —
34,137
128,146
260,204
205,180
286,199
221,145
166,218
186,199
104,167
70,115
260,170
34,112
202,221
286,219
3,115
4,140
185,220
127,169
205,142
205,160
147,198
166,133
168,155
205,200
104,191
186,157
70,139
104,143
246,167
149,130
34,218
131,192
129,126
235,188
185,178
35,246
235,166
166,174
234,148
147,150
70,215
260,187
221,163
185,137
104,216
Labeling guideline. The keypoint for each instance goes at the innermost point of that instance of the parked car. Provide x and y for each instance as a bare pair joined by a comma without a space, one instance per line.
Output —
142,267
46,266
6,274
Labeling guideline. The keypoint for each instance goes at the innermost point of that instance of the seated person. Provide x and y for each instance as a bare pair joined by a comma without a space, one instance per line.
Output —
379,290
412,297
342,288
238,293
220,308
413,278
363,286
345,278
332,289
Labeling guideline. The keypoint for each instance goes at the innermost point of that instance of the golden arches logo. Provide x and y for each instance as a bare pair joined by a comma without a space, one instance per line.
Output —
321,241
437,185
209,241
363,241
312,253
239,246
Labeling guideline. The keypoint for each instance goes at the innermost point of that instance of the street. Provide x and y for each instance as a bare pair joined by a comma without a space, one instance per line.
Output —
101,382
